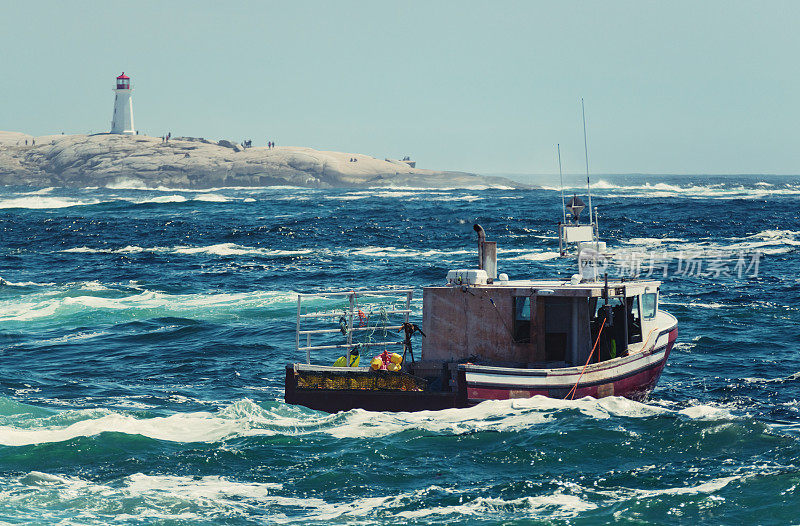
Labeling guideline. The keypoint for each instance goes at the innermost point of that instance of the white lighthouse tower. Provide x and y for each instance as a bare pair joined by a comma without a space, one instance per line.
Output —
122,122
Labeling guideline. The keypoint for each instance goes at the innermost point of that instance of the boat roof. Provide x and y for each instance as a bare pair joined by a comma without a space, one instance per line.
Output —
567,288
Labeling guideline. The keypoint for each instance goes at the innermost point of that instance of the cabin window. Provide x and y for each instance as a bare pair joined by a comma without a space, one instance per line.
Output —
596,306
634,321
522,319
649,305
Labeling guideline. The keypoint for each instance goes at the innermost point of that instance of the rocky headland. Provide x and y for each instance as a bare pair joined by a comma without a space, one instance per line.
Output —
189,162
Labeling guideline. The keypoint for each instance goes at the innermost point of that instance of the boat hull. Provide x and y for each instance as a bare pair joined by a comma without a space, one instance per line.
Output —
633,376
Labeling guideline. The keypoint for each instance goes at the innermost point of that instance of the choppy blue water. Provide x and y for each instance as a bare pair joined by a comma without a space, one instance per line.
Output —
143,335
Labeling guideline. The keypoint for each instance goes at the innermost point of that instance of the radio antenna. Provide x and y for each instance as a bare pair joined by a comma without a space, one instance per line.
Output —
561,176
586,154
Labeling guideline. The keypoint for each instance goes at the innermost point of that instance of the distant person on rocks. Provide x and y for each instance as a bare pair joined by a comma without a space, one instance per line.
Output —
26,142
34,142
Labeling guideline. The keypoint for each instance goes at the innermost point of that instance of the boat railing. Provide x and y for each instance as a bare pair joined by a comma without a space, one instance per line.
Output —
351,311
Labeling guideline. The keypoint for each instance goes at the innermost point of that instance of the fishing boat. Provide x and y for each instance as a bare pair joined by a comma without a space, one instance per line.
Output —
487,337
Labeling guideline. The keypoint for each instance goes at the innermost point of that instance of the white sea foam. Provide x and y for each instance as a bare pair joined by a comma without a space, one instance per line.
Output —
185,499
467,198
212,198
711,486
139,304
193,427
53,498
4,282
348,197
231,249
713,191
705,305
650,241
153,497
221,249
405,194
71,338
769,242
557,506
251,189
175,198
41,191
37,202
246,418
534,256
397,252
127,184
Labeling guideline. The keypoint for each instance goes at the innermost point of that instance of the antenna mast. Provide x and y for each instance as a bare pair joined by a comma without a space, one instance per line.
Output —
586,154
561,176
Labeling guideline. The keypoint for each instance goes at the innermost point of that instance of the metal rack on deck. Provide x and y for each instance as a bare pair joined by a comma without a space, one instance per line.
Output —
350,314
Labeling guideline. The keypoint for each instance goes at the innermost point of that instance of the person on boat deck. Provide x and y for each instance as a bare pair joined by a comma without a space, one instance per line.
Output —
606,344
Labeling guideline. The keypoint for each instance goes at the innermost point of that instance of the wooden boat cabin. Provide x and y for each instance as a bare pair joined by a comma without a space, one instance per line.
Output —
525,323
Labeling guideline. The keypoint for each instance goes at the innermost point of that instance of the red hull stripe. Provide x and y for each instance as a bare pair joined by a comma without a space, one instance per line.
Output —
632,379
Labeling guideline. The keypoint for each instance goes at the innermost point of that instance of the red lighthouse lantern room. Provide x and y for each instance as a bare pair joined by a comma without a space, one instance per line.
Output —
123,81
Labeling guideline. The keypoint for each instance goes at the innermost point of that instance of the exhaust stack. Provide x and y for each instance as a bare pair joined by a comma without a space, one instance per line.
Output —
487,253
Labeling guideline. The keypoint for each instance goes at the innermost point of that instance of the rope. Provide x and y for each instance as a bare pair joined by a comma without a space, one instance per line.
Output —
644,345
575,387
500,315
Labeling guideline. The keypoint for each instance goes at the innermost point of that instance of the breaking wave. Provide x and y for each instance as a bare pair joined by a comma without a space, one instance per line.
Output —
87,301
221,249
38,202
773,241
758,190
246,418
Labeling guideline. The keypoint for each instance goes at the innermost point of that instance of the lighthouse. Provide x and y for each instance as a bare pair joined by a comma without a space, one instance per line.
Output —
122,122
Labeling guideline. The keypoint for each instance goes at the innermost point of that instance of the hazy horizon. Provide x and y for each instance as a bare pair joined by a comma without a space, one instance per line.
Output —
481,87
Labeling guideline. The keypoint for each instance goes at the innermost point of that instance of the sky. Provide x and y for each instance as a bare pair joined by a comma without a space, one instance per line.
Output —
680,87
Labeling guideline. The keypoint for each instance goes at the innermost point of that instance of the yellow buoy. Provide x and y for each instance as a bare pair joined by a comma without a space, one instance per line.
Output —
376,363
393,367
396,358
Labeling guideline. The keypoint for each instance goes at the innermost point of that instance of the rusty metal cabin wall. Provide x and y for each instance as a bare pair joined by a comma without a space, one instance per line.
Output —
463,325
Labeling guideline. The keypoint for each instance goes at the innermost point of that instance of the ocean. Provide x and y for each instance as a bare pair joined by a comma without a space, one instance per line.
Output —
144,335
